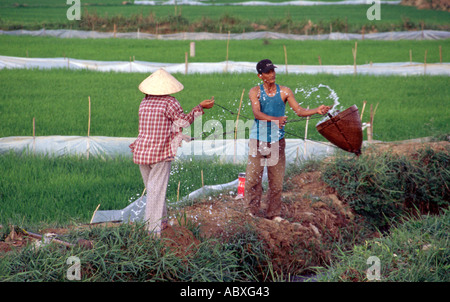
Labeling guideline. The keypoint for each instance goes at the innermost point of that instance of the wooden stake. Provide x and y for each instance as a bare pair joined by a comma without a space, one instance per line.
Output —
320,60
239,112
185,63
203,183
228,43
354,51
115,29
93,215
192,49
88,147
369,129
362,111
425,62
34,136
285,59
306,132
89,119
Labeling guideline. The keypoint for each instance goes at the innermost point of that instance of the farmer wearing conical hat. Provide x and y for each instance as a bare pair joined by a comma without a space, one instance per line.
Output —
267,144
160,120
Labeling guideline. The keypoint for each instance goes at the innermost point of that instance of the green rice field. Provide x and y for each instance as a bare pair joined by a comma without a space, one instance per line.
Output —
298,52
409,107
102,15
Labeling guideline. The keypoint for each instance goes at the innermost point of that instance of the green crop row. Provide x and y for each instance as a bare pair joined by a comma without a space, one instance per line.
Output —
298,52
162,19
409,107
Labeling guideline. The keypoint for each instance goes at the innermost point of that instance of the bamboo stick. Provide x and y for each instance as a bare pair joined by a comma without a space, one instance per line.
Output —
369,129
192,49
354,51
89,119
185,63
239,112
93,215
34,135
285,59
306,127
89,130
425,62
228,44
362,111
203,183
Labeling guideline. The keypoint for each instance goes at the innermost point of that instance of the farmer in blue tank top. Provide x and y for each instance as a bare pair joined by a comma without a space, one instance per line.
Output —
267,143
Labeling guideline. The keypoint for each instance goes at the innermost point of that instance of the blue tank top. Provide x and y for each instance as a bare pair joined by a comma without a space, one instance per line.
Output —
274,106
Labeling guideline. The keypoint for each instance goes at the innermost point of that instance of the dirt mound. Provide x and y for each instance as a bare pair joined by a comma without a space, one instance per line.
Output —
312,218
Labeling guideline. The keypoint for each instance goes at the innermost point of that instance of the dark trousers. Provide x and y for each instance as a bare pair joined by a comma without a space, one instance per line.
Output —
273,156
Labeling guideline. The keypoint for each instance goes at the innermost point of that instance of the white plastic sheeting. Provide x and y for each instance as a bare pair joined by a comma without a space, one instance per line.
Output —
135,211
194,36
400,68
107,147
262,3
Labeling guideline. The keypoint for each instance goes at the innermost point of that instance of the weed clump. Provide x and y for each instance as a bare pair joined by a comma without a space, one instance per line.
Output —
382,187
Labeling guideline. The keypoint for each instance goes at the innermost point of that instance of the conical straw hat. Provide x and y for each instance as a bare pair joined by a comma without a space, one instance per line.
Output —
160,83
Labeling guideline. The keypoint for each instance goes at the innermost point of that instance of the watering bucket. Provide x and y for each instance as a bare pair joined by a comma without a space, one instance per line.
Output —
241,185
344,130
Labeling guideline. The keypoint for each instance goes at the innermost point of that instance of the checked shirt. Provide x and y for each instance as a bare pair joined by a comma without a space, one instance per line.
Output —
160,122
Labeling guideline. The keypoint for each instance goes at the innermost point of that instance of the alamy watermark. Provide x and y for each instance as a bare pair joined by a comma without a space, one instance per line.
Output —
74,271
74,12
374,271
374,12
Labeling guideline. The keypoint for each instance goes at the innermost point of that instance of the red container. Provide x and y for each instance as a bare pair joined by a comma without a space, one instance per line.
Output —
241,185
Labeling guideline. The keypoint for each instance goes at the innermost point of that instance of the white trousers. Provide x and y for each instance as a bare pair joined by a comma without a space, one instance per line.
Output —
156,179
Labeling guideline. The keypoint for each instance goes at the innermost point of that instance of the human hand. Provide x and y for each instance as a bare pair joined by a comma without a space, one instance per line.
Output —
282,121
207,104
322,109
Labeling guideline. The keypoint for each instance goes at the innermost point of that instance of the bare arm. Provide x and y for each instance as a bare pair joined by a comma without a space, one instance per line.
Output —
322,109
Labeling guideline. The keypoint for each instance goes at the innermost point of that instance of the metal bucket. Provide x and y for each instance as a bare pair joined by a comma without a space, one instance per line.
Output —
344,130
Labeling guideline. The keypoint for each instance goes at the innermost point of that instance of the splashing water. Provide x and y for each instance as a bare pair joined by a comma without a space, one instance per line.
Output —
312,97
